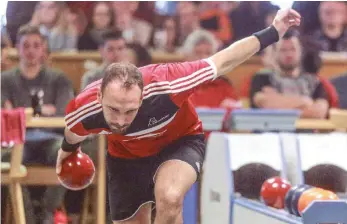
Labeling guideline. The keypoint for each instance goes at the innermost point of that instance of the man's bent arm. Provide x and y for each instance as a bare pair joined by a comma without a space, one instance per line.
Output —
280,101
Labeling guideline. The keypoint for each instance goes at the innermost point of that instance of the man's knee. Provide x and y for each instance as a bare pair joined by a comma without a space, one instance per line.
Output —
169,198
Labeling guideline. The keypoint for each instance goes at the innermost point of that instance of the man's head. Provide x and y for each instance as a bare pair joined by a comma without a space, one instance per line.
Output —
332,14
121,95
113,47
288,52
200,44
30,45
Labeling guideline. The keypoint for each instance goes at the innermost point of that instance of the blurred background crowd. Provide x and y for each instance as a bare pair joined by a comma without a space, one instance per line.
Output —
134,31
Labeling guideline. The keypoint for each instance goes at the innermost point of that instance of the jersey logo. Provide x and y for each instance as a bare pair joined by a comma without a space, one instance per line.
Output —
153,120
103,132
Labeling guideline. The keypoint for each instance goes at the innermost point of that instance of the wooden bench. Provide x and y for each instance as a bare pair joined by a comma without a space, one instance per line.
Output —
15,174
75,65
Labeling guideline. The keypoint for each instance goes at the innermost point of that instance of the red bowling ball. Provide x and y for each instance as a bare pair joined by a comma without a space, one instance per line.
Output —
273,192
77,171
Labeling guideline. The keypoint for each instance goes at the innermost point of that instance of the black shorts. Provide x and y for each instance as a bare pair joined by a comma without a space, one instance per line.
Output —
131,181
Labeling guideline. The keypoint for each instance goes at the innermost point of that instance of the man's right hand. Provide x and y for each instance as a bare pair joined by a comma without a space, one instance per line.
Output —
61,156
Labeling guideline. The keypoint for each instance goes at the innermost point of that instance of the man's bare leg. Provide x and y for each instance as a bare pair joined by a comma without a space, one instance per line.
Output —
172,181
142,216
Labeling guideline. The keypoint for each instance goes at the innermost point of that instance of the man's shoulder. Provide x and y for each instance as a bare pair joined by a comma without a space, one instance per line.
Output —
264,72
8,74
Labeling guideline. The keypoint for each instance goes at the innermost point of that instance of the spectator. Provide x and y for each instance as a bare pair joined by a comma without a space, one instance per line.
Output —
102,21
18,13
188,20
248,18
286,85
134,30
138,55
5,44
112,49
220,93
309,9
215,20
55,90
332,35
77,20
52,18
166,37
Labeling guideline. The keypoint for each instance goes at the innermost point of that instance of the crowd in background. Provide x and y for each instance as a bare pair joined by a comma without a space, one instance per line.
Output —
130,31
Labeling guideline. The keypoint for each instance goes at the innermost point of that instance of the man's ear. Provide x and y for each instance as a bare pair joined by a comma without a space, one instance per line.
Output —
99,97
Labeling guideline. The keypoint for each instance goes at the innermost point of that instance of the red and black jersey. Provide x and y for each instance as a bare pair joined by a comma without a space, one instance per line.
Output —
165,115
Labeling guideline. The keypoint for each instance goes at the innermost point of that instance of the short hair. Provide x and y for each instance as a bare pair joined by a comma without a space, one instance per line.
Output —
291,33
125,72
111,35
29,30
196,38
142,55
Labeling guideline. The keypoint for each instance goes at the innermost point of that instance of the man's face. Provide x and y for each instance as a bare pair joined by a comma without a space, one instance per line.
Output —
202,50
332,14
120,105
288,54
113,50
31,49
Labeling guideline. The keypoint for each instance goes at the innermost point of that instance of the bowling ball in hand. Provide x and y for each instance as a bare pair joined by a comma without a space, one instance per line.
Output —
273,192
313,194
77,171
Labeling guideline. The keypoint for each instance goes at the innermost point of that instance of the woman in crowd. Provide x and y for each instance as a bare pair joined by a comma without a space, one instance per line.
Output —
102,21
52,18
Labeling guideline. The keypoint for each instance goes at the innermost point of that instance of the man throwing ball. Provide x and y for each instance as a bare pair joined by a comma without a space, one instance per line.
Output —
155,139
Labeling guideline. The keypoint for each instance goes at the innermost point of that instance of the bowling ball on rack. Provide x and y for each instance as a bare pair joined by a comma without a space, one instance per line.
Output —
273,192
314,194
295,198
77,171
294,191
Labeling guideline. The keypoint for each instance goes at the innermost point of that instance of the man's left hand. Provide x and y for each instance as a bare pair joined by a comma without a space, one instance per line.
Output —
284,19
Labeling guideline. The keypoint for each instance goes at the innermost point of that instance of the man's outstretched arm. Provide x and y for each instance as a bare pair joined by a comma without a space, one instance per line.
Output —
241,50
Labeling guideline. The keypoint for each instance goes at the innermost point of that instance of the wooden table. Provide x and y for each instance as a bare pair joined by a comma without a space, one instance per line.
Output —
101,166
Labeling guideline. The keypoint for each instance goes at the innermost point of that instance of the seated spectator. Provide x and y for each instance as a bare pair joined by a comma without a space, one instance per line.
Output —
215,20
220,93
33,84
332,35
5,44
340,83
249,17
52,18
112,49
188,19
134,30
165,38
102,21
286,85
138,55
